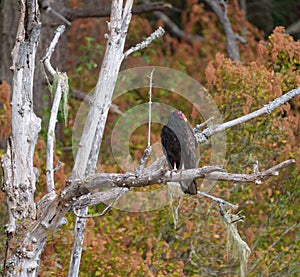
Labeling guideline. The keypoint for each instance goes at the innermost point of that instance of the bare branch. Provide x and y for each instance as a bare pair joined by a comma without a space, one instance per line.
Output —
218,200
60,80
58,15
162,176
174,29
98,112
89,147
156,34
200,126
210,131
107,208
254,177
99,11
46,59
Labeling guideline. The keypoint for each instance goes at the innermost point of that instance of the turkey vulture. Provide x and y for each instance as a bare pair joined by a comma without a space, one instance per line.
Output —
179,146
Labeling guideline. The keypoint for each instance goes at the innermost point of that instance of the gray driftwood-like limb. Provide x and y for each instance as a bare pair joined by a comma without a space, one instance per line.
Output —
89,146
266,109
54,111
99,197
231,44
162,176
82,214
113,182
19,179
156,34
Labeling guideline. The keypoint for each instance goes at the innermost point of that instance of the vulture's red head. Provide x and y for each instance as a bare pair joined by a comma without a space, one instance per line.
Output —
179,115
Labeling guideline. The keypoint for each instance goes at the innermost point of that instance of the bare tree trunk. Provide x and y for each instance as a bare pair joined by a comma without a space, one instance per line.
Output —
89,146
19,176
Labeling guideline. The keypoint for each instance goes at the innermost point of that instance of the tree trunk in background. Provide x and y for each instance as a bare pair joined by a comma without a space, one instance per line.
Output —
9,18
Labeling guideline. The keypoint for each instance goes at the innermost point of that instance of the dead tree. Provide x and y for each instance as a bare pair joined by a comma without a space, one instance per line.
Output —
30,222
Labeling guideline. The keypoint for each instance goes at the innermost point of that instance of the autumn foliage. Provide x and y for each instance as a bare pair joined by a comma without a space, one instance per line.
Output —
148,244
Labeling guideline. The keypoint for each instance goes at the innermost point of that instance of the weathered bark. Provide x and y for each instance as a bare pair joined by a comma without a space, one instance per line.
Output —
19,176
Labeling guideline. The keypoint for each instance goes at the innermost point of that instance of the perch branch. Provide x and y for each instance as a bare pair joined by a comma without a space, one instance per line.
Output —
115,182
210,131
162,176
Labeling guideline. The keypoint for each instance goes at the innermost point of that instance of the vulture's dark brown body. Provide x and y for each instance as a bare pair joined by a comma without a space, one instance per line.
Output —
180,147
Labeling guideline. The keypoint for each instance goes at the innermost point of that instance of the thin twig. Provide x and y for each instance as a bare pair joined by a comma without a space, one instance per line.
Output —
272,245
46,60
218,200
58,15
150,105
148,149
201,125
173,27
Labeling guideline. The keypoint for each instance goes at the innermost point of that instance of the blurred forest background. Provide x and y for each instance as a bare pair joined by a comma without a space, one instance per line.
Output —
147,244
